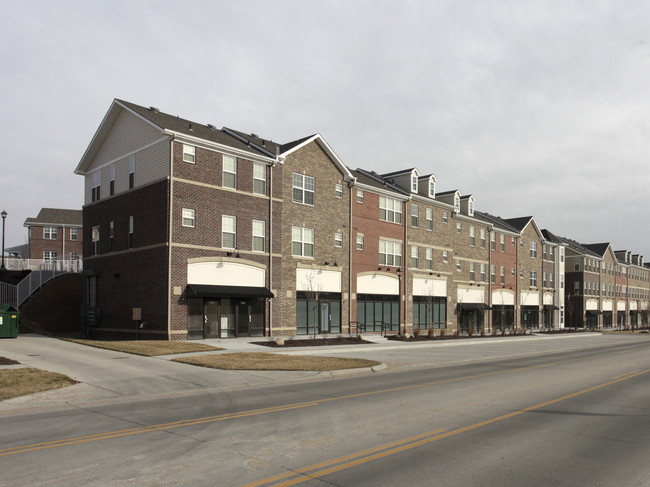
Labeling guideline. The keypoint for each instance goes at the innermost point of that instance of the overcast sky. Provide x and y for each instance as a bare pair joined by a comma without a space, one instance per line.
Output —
536,108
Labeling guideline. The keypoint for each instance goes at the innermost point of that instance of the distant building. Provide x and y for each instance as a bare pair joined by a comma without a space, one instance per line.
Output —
54,234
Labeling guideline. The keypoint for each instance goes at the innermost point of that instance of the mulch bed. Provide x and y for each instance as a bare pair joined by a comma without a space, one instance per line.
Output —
8,361
315,342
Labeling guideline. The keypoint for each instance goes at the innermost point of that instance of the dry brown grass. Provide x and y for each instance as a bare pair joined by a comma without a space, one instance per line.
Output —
274,361
148,348
22,381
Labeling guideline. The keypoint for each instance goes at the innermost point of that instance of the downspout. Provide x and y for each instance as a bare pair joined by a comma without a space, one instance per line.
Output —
63,253
270,301
517,310
169,240
405,253
350,243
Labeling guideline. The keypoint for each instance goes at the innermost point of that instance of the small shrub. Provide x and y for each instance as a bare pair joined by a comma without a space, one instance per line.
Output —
430,332
416,332
442,332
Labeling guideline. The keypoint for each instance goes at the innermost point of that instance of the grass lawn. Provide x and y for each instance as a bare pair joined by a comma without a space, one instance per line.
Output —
19,382
148,348
274,361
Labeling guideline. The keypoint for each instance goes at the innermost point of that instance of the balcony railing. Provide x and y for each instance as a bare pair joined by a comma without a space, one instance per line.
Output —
45,271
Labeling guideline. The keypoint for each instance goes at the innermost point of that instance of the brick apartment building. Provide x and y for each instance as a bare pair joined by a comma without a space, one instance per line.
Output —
195,232
54,234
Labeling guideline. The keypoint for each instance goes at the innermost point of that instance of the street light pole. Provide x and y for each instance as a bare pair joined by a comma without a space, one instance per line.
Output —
399,295
4,216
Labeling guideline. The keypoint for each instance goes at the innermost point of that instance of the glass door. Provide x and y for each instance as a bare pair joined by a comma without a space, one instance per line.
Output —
325,317
211,320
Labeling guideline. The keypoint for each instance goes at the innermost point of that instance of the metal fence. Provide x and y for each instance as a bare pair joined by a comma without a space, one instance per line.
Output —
46,271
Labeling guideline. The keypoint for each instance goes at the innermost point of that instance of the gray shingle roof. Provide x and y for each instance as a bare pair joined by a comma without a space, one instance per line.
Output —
56,216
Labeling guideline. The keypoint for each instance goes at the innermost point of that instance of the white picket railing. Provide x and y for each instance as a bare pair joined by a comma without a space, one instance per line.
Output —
46,271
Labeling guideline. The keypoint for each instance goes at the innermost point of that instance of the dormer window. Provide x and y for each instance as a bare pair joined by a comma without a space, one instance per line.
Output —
470,207
432,188
414,183
457,203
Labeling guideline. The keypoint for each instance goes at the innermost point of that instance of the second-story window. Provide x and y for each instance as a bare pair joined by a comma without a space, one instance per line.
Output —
533,250
259,235
429,258
229,172
73,234
472,271
303,189
50,233
228,231
502,242
482,238
338,190
359,242
338,239
472,235
390,210
189,217
414,256
360,196
94,238
302,241
493,241
390,253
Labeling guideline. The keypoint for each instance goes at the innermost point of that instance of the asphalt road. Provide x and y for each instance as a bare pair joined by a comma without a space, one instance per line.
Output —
573,417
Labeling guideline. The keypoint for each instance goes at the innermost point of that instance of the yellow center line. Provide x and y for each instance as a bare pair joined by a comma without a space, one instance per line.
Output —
254,412
626,374
427,439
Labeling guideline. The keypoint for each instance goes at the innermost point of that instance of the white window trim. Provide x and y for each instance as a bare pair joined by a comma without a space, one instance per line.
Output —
189,153
188,214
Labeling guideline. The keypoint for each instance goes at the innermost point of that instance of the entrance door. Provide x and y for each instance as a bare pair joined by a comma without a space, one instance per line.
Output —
211,318
243,318
325,317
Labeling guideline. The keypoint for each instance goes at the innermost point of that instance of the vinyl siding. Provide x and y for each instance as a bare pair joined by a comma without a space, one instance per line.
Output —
127,135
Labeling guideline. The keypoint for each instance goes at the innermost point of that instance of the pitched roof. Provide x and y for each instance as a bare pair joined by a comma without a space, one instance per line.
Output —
371,178
598,248
56,216
520,222
497,221
188,127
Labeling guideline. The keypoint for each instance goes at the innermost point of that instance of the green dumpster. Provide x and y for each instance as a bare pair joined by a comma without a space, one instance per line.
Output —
8,321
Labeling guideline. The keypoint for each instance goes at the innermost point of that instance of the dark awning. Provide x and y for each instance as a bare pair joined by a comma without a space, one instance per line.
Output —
551,306
594,312
209,291
471,306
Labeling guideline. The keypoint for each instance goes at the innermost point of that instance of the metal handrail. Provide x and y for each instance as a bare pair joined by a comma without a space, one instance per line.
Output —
16,295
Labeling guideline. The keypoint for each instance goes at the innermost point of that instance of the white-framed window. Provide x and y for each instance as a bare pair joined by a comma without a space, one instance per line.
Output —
390,210
512,241
414,183
302,241
533,250
111,235
390,253
338,190
94,238
483,238
130,236
483,267
111,183
493,241
414,256
49,255
50,233
189,153
459,228
429,258
360,196
445,217
131,172
502,242
470,207
457,203
521,273
359,242
493,274
229,172
259,236
458,265
228,231
513,271
303,189
415,215
74,256
96,184
544,279
445,256
472,271
338,240
259,178
502,274
74,234
533,278
432,189
472,235
189,217
429,218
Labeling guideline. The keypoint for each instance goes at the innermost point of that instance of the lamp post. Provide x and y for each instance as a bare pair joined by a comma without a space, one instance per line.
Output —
399,298
4,216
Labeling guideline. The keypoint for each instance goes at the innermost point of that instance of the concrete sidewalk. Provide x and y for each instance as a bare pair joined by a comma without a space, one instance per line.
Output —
109,375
